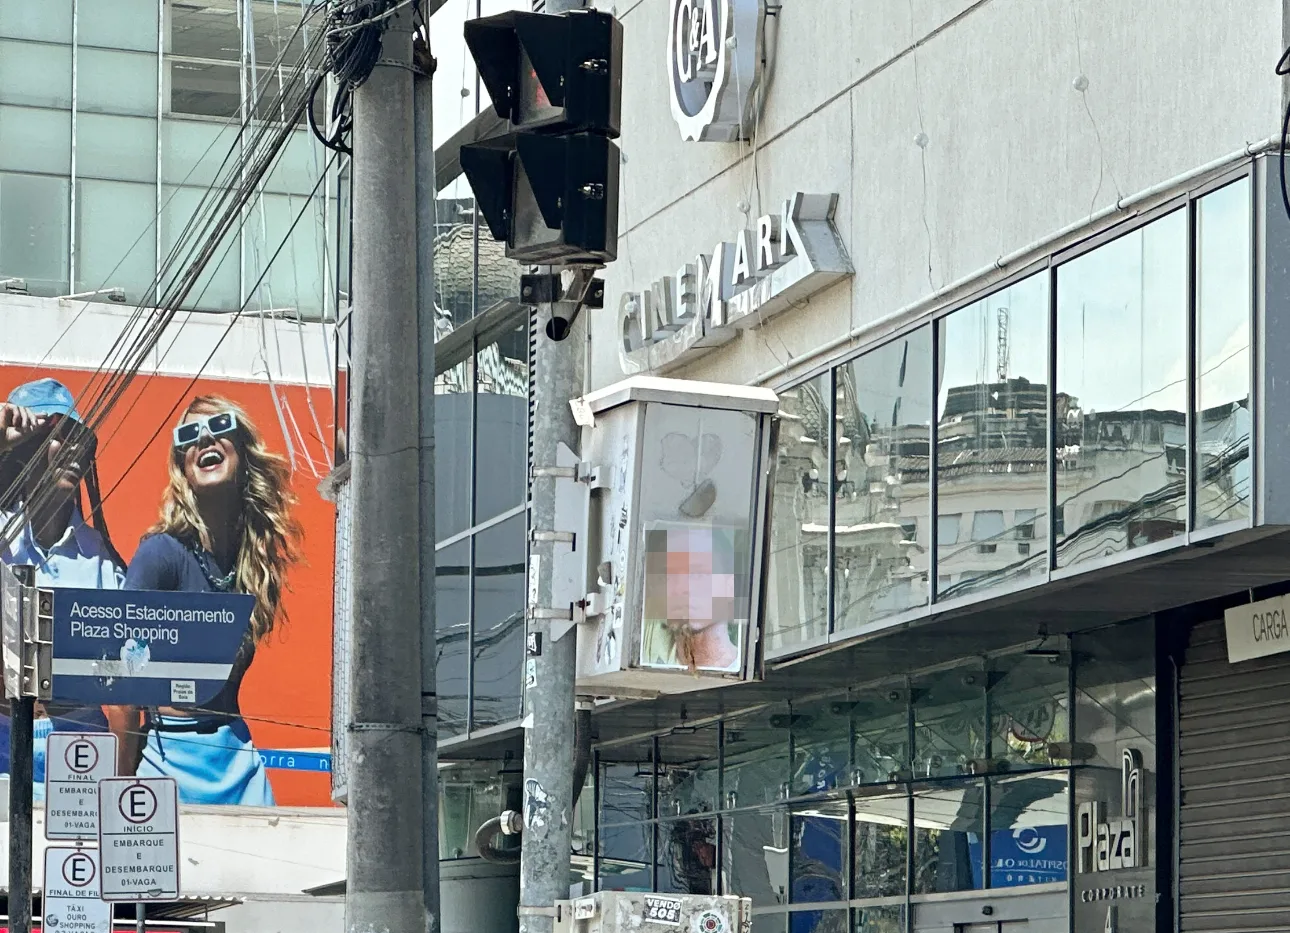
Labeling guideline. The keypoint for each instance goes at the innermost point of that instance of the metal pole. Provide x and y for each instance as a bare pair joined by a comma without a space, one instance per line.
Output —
21,715
385,812
423,142
140,916
549,744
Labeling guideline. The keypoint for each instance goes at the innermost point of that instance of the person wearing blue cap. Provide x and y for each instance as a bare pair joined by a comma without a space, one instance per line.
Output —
46,454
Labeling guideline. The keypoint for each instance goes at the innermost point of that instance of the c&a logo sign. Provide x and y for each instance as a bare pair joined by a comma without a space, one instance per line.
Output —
714,63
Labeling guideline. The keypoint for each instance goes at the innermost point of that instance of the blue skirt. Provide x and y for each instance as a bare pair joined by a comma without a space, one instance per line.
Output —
217,767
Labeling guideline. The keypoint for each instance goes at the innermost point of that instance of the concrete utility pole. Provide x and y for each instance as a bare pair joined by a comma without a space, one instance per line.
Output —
385,865
549,745
425,181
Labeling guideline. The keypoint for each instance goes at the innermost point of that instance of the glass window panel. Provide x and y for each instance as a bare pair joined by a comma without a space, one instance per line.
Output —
1028,820
1115,712
194,152
948,828
769,923
34,213
44,22
35,75
299,164
819,842
116,148
625,860
468,798
756,758
116,238
499,623
1029,708
992,435
1121,444
217,288
821,745
755,861
452,609
1223,302
501,454
880,918
987,525
797,584
626,792
883,412
454,415
211,29
275,23
344,206
202,87
687,856
947,528
880,844
296,280
454,262
35,140
118,24
688,773
949,721
880,735
819,921
116,82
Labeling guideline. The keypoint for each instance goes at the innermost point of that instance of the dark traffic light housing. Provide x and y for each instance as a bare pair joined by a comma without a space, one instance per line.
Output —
560,74
549,187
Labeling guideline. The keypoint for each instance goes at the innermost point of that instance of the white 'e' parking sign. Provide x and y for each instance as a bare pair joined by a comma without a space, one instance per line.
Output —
139,839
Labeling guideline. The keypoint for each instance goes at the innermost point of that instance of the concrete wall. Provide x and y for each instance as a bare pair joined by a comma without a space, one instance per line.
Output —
1014,152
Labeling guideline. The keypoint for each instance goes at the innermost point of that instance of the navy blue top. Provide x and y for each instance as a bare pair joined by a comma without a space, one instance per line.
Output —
162,562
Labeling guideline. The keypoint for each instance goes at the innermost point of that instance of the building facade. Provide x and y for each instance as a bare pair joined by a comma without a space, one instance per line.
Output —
1025,464
1018,279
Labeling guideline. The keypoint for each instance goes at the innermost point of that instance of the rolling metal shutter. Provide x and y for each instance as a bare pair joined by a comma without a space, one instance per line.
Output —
1234,768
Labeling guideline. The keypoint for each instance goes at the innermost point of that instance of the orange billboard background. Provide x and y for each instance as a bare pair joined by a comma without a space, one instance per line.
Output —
286,695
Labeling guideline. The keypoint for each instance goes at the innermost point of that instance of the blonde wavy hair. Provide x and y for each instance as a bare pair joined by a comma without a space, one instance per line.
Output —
269,536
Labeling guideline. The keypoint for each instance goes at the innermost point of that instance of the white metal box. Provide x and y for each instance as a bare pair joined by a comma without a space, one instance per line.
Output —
677,520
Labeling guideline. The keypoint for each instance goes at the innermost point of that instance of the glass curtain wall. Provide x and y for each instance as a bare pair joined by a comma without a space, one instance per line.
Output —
848,808
1075,415
101,174
481,467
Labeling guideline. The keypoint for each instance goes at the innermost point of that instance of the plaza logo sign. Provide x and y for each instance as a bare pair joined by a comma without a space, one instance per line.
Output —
1105,844
785,259
714,64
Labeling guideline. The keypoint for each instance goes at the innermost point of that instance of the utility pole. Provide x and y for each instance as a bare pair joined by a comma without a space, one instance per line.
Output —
549,741
385,855
423,142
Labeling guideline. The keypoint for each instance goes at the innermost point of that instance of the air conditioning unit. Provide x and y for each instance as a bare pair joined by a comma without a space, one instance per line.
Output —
631,912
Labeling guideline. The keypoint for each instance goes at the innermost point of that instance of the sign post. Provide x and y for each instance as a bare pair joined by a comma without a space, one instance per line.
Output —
74,765
71,895
143,648
139,839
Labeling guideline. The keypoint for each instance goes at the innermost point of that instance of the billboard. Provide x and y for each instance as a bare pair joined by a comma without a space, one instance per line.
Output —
196,485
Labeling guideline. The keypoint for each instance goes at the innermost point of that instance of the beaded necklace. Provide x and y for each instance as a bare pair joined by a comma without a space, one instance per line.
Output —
220,584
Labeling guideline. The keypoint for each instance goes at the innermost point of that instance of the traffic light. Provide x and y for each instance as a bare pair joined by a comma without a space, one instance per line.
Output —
549,187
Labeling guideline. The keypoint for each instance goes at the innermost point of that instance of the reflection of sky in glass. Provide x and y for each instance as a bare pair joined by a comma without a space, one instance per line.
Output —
1223,285
1121,342
1026,305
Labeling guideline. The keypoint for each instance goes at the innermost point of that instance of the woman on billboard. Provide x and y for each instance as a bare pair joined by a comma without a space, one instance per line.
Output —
225,526
46,455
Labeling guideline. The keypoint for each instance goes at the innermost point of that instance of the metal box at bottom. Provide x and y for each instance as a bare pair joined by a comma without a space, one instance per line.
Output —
631,912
